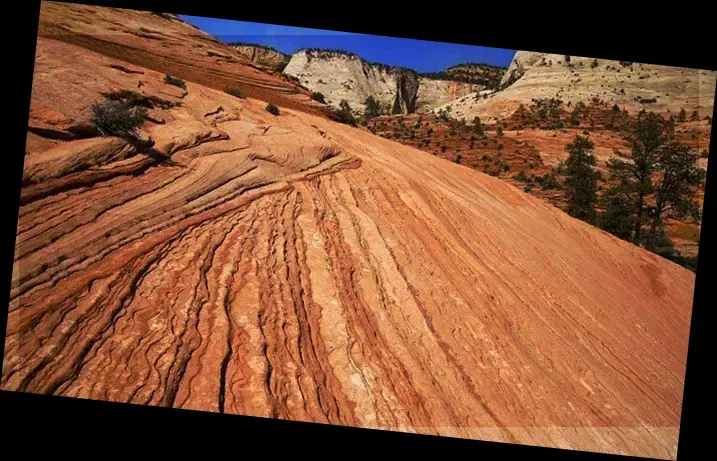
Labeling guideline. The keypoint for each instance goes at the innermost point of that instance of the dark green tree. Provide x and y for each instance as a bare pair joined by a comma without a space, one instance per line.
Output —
346,114
373,108
618,202
677,178
318,97
695,116
683,116
647,137
478,127
658,178
581,179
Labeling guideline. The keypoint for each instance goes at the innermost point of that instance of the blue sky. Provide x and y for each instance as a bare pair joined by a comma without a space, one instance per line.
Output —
423,56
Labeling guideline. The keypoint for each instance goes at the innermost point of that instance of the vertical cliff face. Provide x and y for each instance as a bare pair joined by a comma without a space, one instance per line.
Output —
338,76
343,76
406,92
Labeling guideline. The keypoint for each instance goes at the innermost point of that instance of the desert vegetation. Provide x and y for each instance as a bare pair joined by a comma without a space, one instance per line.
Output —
318,97
657,179
345,113
605,196
236,92
170,80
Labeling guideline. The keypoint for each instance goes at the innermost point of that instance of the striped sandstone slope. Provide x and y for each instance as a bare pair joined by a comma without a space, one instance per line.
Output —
296,268
166,43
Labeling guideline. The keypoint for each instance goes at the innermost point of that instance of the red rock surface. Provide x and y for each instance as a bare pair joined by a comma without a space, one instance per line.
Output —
530,147
168,46
292,267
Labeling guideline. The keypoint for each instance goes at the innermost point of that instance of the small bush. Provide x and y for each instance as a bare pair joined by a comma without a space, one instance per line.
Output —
549,181
168,79
135,99
704,153
120,119
272,109
318,97
236,92
113,117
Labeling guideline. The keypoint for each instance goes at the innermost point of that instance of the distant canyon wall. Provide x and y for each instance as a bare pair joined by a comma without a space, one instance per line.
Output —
342,76
262,56
573,79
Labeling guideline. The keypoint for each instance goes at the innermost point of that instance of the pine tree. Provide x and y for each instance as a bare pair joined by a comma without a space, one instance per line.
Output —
345,113
658,179
674,194
581,179
478,127
373,108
